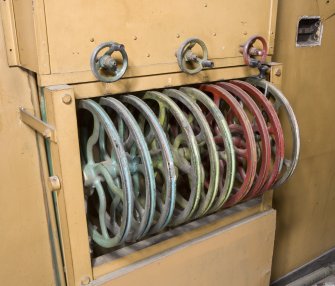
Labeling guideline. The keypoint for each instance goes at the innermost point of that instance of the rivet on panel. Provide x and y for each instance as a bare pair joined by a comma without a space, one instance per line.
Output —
92,40
67,99
178,36
278,72
135,38
47,133
86,280
54,183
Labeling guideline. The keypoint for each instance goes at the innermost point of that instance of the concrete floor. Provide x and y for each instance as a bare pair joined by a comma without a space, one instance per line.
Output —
328,281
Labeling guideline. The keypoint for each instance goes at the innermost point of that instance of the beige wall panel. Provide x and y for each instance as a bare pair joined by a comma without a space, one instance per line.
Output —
25,26
31,35
306,221
76,27
237,255
25,255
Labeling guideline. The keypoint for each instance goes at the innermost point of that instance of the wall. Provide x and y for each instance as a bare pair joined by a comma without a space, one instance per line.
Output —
306,219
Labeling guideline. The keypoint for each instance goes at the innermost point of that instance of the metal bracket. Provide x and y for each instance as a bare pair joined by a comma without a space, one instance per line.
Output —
276,71
47,131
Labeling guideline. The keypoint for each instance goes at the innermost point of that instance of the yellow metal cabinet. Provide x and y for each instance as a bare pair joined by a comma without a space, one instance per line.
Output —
54,40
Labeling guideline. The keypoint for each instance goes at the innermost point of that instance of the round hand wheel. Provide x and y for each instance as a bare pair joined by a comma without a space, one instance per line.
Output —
189,62
106,68
248,51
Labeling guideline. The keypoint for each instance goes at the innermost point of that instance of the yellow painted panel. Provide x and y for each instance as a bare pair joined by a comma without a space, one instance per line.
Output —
25,252
151,30
31,35
306,221
236,255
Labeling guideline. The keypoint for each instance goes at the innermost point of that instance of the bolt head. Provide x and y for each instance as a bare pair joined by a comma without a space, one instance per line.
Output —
54,183
67,99
85,280
278,72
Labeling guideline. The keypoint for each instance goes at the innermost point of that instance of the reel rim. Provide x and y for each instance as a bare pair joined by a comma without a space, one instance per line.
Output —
281,101
150,187
97,111
275,129
198,95
207,202
247,102
170,185
221,94
186,214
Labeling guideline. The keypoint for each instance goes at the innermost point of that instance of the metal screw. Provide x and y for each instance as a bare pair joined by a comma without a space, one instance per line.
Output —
278,72
178,36
86,280
54,183
47,133
67,99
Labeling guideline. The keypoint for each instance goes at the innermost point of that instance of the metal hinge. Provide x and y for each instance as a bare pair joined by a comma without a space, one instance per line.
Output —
47,130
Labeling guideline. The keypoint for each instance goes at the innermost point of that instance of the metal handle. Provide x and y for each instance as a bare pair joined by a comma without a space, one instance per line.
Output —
186,57
248,51
105,68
